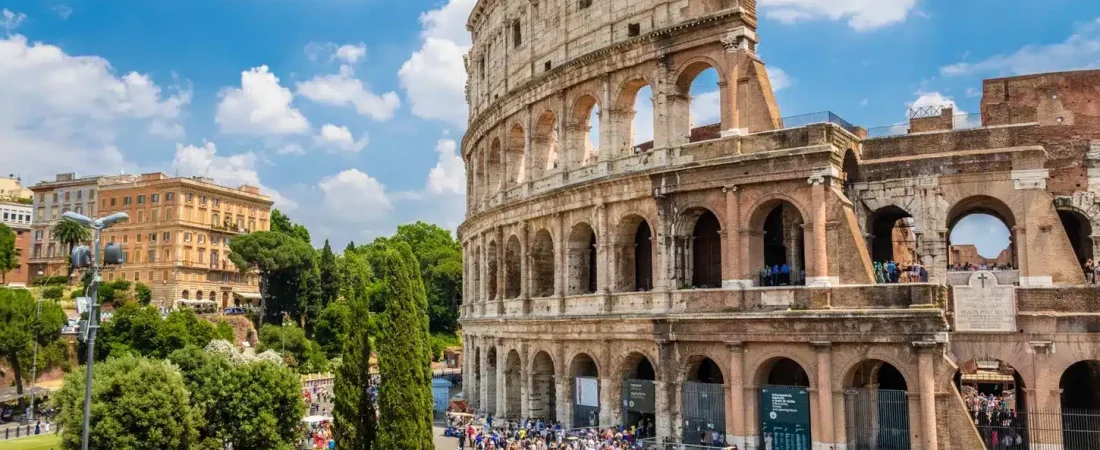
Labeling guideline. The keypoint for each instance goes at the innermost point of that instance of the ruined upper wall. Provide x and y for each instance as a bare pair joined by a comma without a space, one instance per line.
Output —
1062,98
516,40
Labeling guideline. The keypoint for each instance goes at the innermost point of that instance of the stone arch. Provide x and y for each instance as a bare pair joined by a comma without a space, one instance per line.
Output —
580,150
892,237
544,145
475,271
637,365
582,260
514,155
493,168
513,374
1078,384
491,368
623,113
850,166
875,373
634,248
543,394
683,125
876,403
492,266
513,268
978,376
987,205
786,362
213,296
198,295
583,365
703,399
1078,228
542,264
186,295
703,369
777,238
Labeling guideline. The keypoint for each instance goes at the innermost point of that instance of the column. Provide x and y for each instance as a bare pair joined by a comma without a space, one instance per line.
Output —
607,402
565,401
474,376
926,372
1020,239
525,382
821,255
566,147
727,91
604,275
609,129
662,135
735,413
525,266
483,397
560,266
732,272
499,294
825,392
483,289
666,389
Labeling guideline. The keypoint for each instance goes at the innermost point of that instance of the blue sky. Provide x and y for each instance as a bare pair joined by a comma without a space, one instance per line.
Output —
349,112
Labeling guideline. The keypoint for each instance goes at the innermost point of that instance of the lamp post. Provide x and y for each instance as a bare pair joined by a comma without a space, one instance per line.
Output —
97,226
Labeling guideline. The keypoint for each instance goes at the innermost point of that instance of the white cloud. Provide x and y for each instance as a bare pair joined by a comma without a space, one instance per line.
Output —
260,107
861,15
340,138
344,89
10,21
779,79
62,112
961,119
349,53
291,149
232,171
1080,51
356,197
449,174
63,11
434,76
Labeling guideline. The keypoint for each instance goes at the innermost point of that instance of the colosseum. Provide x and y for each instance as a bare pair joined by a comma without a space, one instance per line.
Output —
613,282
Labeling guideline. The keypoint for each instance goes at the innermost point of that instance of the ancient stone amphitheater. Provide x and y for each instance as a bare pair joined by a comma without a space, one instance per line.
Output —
621,283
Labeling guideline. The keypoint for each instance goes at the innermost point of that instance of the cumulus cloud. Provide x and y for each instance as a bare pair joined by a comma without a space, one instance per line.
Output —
449,174
344,89
962,119
232,171
354,196
349,53
434,76
260,107
63,11
63,112
1079,51
339,138
861,15
10,21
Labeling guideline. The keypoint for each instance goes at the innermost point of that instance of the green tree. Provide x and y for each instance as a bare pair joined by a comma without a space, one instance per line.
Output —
143,294
138,403
355,275
439,257
291,341
71,234
330,275
9,253
353,410
141,331
332,327
276,256
53,292
252,405
350,248
309,297
404,360
21,325
280,223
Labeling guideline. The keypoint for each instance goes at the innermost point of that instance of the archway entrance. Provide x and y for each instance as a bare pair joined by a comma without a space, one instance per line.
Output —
1081,406
893,238
981,235
639,394
542,263
491,272
512,268
876,406
586,391
476,276
643,258
784,405
490,381
543,396
782,245
993,393
1078,230
512,376
634,255
704,405
582,260
706,252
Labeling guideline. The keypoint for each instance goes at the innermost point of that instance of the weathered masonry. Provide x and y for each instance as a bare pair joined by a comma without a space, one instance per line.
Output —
598,273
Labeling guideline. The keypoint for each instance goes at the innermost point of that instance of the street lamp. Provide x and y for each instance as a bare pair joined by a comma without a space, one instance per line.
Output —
97,226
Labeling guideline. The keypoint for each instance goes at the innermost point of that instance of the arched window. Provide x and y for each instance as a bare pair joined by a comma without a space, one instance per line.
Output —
185,295
584,132
543,395
512,268
544,146
582,259
514,156
542,262
980,235
706,252
696,112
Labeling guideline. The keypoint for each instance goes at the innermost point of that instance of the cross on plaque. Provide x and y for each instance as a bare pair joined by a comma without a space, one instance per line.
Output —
983,277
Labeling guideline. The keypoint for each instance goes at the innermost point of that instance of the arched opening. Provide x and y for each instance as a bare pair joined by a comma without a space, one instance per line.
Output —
198,295
704,406
542,395
512,268
850,166
542,263
994,395
225,300
491,271
544,145
493,169
632,119
1081,405
639,394
980,236
876,406
584,132
697,107
706,250
490,405
213,296
514,156
512,376
777,244
641,120
185,295
784,403
1078,230
634,255
586,391
894,246
476,274
582,260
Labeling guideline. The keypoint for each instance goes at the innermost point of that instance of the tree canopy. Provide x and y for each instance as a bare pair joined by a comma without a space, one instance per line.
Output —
439,258
21,327
278,257
141,330
353,411
297,349
9,253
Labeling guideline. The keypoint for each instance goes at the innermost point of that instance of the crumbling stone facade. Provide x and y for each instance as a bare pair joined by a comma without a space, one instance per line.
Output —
618,262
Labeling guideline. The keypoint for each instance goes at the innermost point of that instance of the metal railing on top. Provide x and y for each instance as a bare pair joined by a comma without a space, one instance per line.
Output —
802,120
958,122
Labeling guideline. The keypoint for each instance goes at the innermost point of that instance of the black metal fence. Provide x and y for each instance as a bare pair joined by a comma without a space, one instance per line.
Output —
704,412
1068,429
818,117
877,419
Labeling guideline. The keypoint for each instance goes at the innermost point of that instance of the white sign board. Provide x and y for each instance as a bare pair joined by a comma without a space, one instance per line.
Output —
777,297
984,306
588,391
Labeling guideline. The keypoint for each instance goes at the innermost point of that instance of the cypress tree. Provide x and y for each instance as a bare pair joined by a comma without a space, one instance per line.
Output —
330,275
404,354
353,412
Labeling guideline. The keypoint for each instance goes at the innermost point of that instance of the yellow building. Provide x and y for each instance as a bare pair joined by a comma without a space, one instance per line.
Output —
67,192
177,238
12,190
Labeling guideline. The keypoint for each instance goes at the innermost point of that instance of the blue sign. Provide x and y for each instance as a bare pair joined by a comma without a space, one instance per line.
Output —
785,418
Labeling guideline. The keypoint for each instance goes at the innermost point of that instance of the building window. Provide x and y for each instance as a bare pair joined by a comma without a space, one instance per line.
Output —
155,214
517,35
137,276
152,237
78,194
67,196
202,238
141,216
126,200
55,198
187,236
189,197
217,202
114,201
202,200
169,196
141,199
124,238
155,198
80,210
91,194
167,236
202,255
152,256
633,29
137,238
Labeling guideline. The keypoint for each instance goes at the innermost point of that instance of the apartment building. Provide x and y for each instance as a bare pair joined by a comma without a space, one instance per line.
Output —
67,192
12,190
17,216
177,239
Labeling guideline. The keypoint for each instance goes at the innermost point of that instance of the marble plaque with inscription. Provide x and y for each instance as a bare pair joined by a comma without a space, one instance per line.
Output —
984,306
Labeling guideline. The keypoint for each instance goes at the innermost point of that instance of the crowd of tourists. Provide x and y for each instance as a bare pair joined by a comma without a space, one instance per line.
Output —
967,267
1092,271
318,435
488,434
996,418
780,275
319,400
891,272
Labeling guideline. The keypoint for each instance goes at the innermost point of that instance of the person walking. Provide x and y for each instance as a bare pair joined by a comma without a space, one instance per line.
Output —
785,274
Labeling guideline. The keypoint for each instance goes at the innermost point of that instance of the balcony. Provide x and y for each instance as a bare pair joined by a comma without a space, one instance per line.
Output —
229,228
